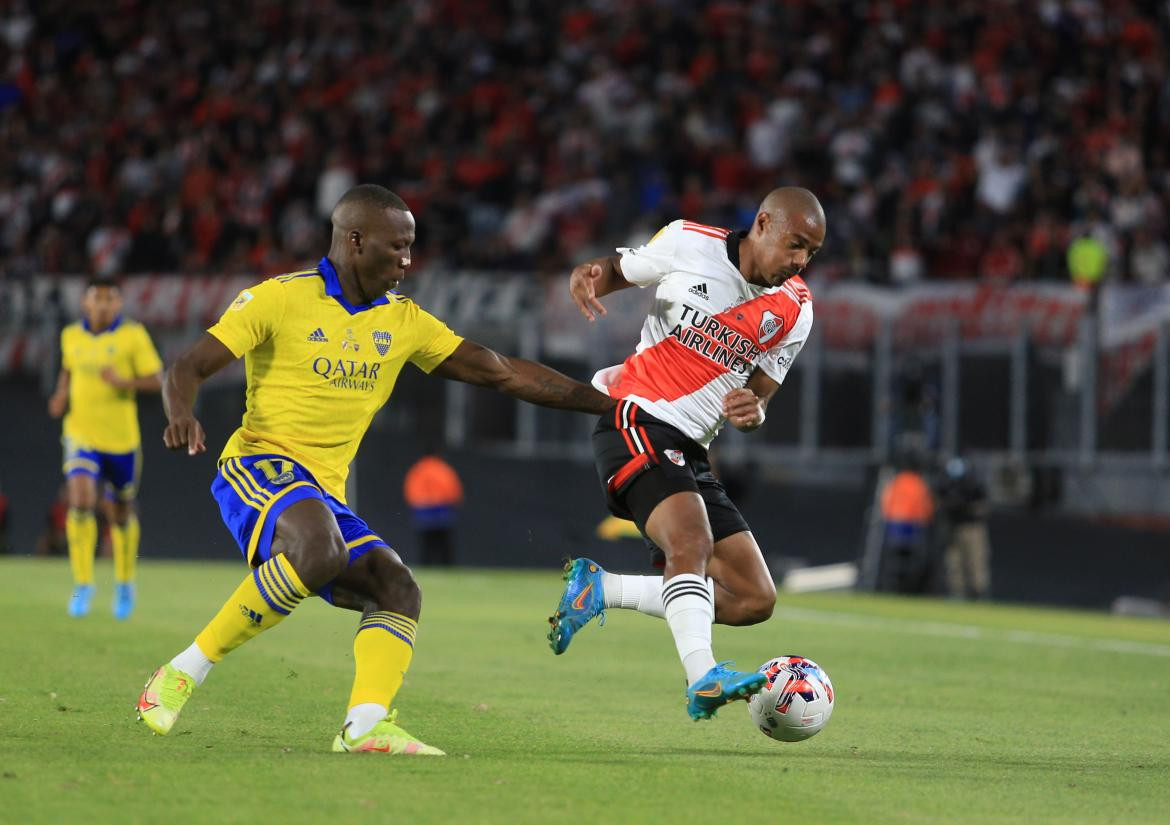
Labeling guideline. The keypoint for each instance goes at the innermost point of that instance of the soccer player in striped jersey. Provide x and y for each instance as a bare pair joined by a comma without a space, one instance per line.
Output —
322,351
106,360
730,314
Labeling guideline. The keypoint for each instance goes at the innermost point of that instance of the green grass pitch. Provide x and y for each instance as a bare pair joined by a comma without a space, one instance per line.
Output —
946,713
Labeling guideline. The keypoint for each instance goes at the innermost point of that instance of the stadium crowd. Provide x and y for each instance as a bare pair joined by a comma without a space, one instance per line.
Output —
959,139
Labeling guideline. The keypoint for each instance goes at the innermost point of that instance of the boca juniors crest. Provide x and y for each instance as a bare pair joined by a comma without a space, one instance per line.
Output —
382,341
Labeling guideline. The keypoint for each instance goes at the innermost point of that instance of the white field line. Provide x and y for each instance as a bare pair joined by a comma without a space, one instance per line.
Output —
969,631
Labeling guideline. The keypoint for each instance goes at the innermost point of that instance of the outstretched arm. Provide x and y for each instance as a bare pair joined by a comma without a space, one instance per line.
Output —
744,408
592,279
198,362
526,380
143,383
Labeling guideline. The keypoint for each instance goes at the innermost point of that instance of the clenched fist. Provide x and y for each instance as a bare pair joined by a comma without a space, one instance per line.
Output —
743,409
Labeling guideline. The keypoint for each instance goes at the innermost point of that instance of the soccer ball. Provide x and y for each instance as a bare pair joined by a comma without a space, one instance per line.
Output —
797,699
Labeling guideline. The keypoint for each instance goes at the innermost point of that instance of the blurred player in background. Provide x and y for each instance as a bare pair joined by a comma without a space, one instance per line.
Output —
730,314
106,360
323,349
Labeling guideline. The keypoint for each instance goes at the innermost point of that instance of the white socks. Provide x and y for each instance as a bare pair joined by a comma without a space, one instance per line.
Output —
689,608
194,663
362,718
641,593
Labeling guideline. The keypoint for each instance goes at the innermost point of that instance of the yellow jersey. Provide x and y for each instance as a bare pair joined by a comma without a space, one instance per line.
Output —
100,416
318,367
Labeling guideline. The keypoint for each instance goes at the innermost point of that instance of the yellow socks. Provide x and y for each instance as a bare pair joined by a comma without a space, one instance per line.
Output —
262,600
382,650
81,532
124,537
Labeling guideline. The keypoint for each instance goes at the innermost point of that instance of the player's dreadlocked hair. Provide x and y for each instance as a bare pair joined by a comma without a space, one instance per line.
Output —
372,195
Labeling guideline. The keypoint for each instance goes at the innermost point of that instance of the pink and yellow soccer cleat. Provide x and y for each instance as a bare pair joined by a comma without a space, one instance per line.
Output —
384,737
163,697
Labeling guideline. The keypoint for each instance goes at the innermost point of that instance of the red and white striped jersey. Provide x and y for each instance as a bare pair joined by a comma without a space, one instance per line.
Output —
708,331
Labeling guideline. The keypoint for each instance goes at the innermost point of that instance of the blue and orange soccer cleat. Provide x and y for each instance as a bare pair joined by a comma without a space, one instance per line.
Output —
581,601
718,686
79,601
123,600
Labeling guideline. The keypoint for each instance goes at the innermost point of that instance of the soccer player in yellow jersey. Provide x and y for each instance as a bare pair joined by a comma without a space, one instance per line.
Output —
322,351
105,361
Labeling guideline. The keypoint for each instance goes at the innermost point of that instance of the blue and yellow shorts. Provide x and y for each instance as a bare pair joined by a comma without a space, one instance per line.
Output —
120,469
252,492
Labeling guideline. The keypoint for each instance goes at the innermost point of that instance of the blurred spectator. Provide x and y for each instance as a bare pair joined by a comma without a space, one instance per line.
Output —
907,508
1088,258
1149,259
963,501
214,136
433,492
906,263
1002,262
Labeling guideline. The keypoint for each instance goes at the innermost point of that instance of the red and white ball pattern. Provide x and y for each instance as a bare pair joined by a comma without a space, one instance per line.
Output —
796,702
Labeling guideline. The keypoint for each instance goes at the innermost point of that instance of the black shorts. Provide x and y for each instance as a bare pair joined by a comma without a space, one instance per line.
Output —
641,461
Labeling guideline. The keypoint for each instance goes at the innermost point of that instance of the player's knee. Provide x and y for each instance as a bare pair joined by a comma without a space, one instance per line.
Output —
752,605
687,548
759,608
82,500
121,512
394,586
317,558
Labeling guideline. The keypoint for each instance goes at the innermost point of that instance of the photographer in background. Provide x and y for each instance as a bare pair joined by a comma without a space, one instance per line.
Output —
963,500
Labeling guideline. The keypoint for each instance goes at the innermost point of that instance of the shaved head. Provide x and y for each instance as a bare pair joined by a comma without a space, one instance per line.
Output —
372,234
360,204
800,206
788,230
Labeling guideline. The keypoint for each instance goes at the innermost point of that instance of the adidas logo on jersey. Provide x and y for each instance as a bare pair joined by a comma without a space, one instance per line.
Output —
700,290
317,336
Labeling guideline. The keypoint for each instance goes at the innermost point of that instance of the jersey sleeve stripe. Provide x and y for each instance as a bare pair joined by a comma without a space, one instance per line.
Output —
792,293
694,225
292,275
714,235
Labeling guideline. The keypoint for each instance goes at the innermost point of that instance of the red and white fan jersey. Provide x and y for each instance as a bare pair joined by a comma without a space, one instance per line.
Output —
708,331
